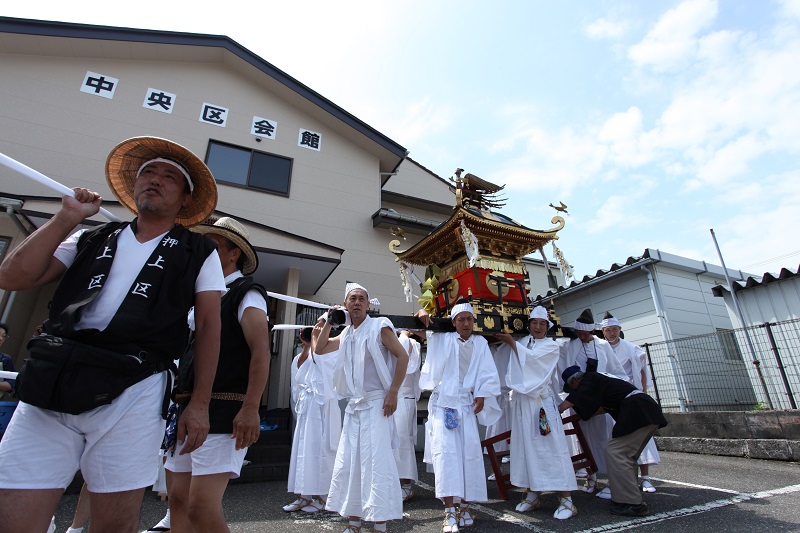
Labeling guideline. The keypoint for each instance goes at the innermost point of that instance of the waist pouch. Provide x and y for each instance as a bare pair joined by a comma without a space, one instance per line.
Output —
71,377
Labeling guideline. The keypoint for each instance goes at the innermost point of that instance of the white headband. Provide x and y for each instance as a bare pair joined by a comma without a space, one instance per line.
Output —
174,164
608,322
580,326
461,308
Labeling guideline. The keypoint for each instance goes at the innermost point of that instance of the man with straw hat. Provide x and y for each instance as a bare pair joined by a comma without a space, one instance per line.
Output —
460,372
94,388
540,457
198,479
369,372
592,354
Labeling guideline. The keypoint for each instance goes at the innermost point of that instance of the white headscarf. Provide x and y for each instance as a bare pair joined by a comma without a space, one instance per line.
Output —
541,312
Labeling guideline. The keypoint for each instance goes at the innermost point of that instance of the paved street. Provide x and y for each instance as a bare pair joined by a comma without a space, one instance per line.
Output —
696,493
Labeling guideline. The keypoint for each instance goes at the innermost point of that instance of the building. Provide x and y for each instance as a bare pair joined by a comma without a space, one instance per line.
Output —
319,190
661,298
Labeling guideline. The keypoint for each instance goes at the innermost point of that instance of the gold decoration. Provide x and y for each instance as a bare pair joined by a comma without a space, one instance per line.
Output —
517,324
393,248
452,290
492,284
488,322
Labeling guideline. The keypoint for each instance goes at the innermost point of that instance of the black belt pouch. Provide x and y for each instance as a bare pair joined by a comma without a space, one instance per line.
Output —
71,377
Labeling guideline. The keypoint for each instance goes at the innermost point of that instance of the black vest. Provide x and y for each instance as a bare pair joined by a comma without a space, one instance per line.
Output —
152,317
233,369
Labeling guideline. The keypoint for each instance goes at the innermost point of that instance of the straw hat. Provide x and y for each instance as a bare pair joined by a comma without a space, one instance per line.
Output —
127,157
234,231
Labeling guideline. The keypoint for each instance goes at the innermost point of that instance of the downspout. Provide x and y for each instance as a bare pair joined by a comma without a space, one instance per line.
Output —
667,334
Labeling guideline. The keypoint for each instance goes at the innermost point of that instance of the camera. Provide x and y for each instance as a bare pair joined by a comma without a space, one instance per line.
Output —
338,317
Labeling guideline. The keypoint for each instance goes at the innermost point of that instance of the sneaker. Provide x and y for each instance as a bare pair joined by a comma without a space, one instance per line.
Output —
627,509
647,486
604,494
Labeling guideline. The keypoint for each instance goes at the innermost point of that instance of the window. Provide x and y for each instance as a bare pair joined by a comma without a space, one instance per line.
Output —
248,168
730,347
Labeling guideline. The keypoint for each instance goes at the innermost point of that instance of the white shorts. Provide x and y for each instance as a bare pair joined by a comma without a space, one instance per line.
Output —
114,445
217,455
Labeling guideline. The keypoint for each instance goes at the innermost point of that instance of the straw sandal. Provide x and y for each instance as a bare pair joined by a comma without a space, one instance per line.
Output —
528,505
315,506
465,519
450,522
296,505
566,509
352,529
590,484
408,492
604,494
647,486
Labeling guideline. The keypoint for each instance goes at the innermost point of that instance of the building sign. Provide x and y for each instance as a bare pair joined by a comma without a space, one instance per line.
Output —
99,85
214,114
264,127
309,139
159,100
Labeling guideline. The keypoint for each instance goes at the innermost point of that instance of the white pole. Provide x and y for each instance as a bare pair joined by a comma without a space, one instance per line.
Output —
755,361
40,178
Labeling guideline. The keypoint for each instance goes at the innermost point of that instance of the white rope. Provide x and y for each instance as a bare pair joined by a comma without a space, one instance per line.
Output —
38,177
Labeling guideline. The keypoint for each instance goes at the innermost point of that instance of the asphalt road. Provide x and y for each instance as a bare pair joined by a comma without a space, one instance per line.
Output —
696,493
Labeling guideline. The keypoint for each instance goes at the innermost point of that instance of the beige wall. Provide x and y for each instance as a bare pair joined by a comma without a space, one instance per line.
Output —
48,124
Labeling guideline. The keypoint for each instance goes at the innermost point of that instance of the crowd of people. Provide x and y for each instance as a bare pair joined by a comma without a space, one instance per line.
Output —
132,296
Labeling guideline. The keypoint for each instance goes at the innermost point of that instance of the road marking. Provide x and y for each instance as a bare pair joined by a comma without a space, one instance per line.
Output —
695,509
497,515
695,486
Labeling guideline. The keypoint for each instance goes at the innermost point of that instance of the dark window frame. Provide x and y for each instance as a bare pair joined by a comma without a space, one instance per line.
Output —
252,151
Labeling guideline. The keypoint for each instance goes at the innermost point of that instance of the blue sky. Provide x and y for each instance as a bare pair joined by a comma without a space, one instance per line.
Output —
653,121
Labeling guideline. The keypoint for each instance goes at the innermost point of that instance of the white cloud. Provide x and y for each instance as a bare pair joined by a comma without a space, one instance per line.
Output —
672,40
604,28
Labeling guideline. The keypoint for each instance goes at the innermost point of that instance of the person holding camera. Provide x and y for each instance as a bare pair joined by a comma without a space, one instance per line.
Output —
318,424
369,372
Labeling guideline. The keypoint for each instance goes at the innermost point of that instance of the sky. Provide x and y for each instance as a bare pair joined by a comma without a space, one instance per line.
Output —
653,121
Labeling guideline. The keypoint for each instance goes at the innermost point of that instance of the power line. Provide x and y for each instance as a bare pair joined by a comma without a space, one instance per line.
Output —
770,260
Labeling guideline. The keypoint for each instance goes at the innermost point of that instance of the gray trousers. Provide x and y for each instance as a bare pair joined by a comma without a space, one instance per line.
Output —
623,471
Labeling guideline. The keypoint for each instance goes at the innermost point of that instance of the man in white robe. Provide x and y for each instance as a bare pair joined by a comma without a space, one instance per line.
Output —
364,483
540,457
592,354
318,425
405,418
460,372
634,363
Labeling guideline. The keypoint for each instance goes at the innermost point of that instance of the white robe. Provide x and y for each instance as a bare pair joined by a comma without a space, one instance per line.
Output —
538,462
634,360
503,423
365,481
456,453
405,417
597,429
318,426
